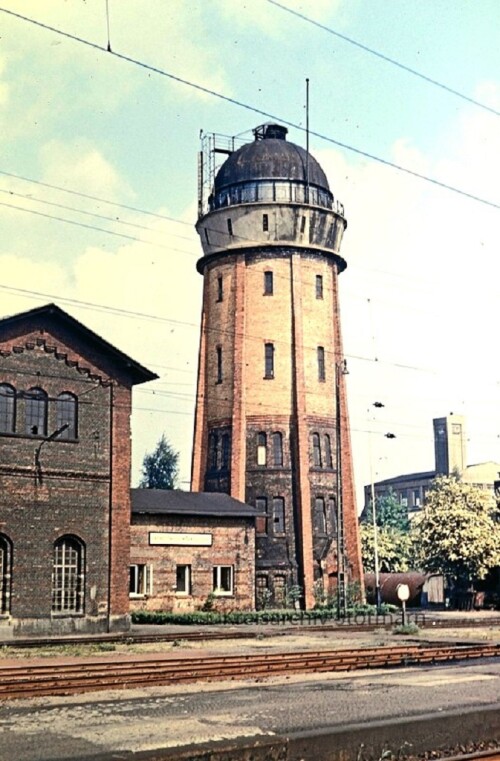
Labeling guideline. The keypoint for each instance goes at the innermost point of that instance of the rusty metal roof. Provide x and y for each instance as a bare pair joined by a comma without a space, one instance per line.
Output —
270,158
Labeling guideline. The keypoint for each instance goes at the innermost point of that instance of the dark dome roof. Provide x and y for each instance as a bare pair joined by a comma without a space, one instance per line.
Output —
270,157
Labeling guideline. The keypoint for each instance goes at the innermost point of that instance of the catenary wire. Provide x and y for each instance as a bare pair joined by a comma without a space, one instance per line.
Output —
254,109
383,57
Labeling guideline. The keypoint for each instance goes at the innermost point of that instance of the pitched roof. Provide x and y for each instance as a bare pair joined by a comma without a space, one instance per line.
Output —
51,316
177,502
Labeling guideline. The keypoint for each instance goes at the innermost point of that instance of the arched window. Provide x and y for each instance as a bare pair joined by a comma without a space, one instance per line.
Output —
319,515
5,573
277,448
36,412
225,451
66,412
328,452
7,408
261,449
316,450
68,576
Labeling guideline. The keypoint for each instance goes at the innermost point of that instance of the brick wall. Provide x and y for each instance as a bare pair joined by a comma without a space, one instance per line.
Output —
233,544
71,490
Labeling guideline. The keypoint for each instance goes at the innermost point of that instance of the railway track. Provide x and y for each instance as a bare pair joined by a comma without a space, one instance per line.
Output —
225,632
27,680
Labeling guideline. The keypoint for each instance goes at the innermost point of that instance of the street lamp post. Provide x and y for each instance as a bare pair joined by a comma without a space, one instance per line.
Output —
378,596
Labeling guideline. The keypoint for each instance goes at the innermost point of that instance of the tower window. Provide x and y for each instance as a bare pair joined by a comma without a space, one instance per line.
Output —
206,236
321,363
279,515
319,515
261,449
225,447
332,513
230,227
265,222
261,520
277,448
316,444
302,225
328,452
269,361
213,447
319,286
219,364
268,283
5,573
220,291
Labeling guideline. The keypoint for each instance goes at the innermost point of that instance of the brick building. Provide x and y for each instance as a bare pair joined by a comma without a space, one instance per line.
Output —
187,549
450,453
65,403
271,426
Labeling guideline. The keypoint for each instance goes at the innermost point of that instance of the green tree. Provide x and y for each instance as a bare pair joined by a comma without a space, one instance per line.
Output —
390,513
394,549
160,468
394,541
457,532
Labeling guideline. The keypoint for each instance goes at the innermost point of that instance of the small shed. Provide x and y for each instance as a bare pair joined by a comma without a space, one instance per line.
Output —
191,550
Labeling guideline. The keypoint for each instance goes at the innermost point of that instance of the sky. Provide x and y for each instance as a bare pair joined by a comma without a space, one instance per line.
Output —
98,191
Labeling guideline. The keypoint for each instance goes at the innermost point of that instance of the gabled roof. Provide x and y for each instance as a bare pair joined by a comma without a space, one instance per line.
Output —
177,502
55,320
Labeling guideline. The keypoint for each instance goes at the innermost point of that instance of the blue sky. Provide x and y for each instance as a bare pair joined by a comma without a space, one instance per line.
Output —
420,295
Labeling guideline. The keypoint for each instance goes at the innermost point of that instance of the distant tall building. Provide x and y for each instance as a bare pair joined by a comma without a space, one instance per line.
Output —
271,425
450,452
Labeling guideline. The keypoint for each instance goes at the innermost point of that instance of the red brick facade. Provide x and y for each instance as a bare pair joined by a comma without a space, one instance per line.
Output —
64,497
271,424
232,545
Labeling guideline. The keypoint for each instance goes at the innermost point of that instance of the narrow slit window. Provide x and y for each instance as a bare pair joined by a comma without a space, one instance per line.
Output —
319,515
268,283
279,515
261,449
277,448
265,222
316,446
321,363
328,451
269,361
303,225
230,227
225,447
319,286
220,288
219,364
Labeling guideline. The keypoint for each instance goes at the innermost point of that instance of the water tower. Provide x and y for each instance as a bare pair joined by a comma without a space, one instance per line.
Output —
271,425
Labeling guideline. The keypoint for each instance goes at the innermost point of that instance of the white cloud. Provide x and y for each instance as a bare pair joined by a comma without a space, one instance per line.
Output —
80,165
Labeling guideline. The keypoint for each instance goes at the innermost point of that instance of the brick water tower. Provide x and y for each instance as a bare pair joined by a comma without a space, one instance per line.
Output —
271,425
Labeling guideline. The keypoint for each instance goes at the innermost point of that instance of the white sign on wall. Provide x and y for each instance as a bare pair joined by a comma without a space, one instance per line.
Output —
180,540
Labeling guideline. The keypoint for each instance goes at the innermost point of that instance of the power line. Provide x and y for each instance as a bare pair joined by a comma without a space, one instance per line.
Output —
253,109
115,220
220,331
93,198
384,57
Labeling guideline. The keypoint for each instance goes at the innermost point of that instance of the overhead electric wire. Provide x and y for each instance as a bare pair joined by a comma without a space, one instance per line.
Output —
254,109
93,198
89,227
185,323
115,220
384,57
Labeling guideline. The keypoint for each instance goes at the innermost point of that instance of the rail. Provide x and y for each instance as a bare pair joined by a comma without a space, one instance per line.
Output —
27,680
